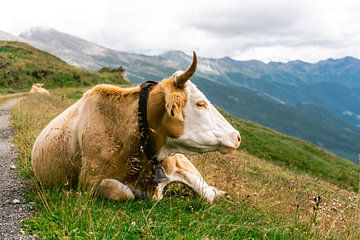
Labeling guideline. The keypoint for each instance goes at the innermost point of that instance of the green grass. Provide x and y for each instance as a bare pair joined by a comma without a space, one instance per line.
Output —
296,154
74,215
266,201
63,214
22,65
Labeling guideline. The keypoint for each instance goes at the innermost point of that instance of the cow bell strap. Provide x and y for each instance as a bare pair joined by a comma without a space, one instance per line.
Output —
144,130
145,145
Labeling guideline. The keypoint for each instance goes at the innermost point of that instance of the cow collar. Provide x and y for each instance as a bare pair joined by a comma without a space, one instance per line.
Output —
144,131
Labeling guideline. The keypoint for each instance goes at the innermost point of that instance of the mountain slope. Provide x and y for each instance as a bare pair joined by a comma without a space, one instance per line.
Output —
71,49
21,65
332,96
4,36
344,71
296,154
306,121
331,85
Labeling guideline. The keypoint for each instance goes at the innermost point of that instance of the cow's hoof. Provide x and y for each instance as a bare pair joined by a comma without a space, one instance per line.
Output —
210,197
212,193
219,192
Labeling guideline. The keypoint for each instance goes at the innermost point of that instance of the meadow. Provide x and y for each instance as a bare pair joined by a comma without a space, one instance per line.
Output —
278,187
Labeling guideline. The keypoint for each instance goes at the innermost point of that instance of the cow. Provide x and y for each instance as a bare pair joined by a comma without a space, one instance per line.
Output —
38,88
96,142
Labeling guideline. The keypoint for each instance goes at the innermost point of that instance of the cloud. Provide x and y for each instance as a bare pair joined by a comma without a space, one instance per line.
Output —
271,18
279,30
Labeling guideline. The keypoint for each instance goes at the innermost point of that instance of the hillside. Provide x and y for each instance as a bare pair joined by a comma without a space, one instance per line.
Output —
280,90
305,121
296,154
333,96
273,182
21,65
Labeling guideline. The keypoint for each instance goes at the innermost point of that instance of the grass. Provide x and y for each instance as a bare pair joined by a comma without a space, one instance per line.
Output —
296,154
266,201
75,215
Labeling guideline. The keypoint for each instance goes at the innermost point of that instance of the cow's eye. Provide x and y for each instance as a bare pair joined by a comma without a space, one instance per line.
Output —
201,104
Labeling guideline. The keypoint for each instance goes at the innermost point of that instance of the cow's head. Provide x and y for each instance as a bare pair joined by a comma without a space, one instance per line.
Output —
192,123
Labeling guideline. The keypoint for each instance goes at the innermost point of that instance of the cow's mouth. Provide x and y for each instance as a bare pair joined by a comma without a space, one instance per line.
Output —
230,143
176,145
225,150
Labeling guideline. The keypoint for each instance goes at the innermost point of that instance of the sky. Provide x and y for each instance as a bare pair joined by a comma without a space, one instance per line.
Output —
267,30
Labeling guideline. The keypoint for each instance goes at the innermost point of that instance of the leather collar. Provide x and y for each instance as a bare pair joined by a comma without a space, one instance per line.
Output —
144,131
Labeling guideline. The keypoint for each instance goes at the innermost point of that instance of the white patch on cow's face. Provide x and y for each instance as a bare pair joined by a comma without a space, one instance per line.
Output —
205,129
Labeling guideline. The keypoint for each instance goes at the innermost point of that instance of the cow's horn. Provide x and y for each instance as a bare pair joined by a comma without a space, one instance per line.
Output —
181,79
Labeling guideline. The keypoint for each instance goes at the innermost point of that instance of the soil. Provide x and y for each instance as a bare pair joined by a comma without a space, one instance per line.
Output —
13,208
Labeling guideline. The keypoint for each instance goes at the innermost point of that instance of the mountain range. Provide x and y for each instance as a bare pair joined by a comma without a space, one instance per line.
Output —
318,102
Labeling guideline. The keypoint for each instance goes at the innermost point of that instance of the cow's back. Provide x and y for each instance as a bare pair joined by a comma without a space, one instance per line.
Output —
92,139
55,155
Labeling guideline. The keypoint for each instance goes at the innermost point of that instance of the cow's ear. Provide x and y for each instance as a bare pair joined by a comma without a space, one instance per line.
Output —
174,106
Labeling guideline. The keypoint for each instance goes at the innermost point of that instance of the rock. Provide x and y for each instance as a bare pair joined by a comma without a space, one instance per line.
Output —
12,167
16,201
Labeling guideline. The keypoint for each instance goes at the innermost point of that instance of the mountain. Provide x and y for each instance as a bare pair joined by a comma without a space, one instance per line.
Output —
4,36
306,121
71,49
333,96
22,65
282,96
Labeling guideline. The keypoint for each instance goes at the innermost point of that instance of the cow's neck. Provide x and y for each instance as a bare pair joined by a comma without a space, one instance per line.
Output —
155,115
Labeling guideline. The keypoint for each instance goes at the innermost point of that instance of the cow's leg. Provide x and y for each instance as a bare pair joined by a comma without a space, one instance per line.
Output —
92,180
114,190
109,188
178,168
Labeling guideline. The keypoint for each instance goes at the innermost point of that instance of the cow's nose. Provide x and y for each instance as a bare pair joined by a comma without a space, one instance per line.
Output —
235,139
231,140
239,139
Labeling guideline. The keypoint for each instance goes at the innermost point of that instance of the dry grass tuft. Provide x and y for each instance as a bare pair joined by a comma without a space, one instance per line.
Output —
327,209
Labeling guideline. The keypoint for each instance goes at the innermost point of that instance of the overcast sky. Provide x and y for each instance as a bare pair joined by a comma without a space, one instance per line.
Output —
276,30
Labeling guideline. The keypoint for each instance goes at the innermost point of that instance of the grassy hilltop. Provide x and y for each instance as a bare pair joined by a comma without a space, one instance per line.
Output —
279,187
22,65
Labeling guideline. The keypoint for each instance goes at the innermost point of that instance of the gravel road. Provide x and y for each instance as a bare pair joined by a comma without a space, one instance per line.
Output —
12,205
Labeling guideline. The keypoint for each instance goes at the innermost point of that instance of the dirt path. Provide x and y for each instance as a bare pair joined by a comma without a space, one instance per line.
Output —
12,205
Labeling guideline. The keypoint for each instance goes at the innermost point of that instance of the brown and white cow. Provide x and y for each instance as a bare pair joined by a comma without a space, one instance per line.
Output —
38,88
95,142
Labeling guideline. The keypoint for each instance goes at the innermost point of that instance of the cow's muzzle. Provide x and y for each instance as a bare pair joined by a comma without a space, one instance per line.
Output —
230,142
